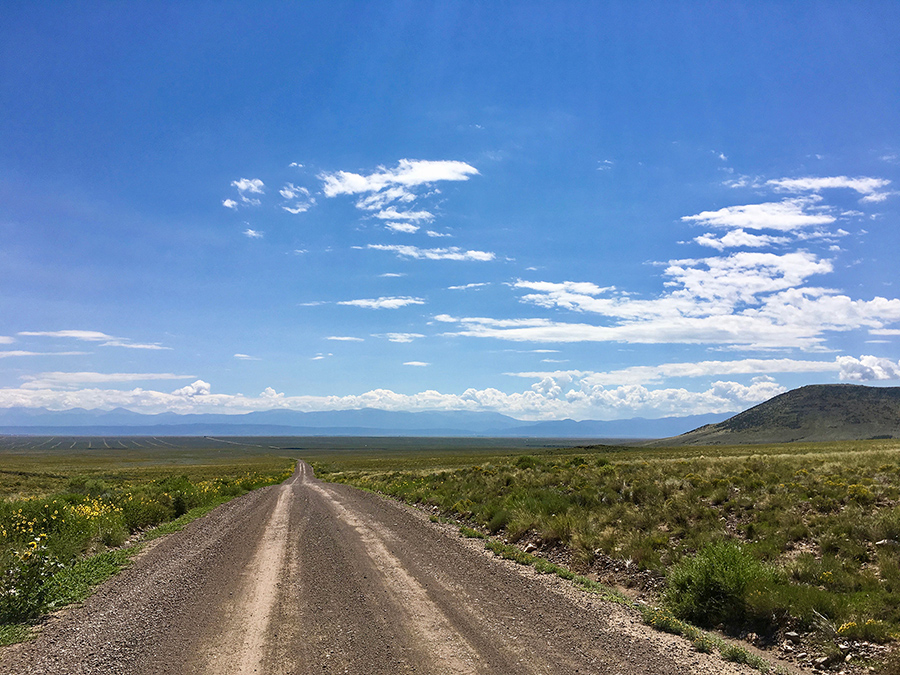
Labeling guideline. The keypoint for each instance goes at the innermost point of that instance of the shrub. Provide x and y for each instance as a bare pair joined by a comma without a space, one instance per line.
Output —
716,586
23,576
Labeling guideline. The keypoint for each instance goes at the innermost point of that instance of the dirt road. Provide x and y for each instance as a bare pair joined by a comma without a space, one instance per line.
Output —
309,577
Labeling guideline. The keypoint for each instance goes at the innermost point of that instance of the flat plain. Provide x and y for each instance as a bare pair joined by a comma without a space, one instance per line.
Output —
807,533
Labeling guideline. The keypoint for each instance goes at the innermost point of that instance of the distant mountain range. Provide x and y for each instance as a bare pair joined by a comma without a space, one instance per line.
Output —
365,422
822,412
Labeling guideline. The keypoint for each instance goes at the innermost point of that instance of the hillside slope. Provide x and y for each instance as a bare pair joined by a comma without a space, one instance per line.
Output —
821,412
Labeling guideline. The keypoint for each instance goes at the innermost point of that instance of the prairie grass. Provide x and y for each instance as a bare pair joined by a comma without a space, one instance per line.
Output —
65,513
762,538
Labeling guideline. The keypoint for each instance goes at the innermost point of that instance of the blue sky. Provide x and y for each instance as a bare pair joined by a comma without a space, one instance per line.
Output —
549,210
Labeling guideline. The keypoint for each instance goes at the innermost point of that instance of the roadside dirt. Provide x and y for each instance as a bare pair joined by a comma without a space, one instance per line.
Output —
308,577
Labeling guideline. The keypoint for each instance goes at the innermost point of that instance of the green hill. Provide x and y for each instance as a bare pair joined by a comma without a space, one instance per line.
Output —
820,412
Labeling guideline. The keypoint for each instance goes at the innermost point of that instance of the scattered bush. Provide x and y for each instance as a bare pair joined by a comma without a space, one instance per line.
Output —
720,585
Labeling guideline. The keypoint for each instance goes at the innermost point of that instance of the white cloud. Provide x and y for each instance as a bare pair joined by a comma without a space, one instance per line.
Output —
432,233
20,352
400,337
229,204
197,388
739,238
56,380
383,302
784,216
566,398
299,208
253,185
870,188
406,228
408,173
95,336
247,186
291,191
468,286
320,357
253,234
868,368
451,253
415,216
295,165
344,338
246,357
392,275
420,364
746,299
654,374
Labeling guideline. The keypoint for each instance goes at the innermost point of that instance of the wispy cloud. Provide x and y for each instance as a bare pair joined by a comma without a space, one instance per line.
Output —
53,380
246,187
870,188
405,228
451,253
407,174
20,352
344,338
383,302
418,364
253,234
468,286
399,337
94,336
246,357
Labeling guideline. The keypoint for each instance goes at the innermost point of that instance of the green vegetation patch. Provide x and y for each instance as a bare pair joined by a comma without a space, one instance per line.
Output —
55,547
765,538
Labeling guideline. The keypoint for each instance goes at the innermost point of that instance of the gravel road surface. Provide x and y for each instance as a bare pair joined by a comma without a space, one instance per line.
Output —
310,577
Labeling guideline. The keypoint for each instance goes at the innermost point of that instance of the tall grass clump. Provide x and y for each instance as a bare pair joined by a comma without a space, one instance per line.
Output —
51,547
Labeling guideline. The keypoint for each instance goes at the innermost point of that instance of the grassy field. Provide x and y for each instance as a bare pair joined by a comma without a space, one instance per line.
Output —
768,539
67,506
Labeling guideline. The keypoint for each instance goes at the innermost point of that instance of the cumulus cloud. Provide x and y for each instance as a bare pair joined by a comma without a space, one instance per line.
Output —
383,302
451,253
868,368
197,388
551,399
253,234
784,216
229,204
739,238
246,187
253,185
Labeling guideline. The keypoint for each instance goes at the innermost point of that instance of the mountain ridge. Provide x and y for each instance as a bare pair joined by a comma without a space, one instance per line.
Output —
814,413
